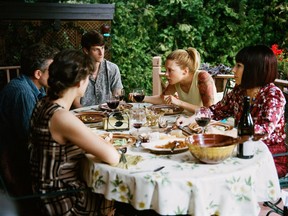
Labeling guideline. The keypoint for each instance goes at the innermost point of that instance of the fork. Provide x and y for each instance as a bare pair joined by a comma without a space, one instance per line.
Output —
176,144
122,151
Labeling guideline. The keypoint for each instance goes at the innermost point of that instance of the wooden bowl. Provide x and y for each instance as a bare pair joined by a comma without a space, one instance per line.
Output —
211,148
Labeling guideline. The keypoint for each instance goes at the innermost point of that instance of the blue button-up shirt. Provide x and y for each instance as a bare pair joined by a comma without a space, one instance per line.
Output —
17,101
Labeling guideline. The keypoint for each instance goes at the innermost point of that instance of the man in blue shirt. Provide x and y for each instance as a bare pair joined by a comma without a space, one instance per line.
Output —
17,101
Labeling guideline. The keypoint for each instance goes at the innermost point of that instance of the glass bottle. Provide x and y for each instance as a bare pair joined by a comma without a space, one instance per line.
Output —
245,149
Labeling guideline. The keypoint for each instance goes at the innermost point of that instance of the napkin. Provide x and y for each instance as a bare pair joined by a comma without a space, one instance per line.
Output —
132,160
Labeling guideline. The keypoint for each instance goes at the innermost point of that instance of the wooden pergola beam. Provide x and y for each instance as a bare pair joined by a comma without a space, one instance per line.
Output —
55,11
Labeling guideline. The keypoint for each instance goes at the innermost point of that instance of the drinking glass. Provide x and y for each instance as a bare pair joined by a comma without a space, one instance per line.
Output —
121,95
138,95
203,117
137,118
112,102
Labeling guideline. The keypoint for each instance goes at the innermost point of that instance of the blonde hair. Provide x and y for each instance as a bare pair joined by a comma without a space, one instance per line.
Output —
186,58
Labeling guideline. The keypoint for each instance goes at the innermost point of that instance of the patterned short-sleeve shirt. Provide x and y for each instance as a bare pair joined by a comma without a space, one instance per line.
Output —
267,111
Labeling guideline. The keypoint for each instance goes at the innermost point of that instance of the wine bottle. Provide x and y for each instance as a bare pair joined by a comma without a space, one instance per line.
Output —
245,130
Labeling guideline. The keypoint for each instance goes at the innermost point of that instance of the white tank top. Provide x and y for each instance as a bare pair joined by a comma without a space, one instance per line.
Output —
193,96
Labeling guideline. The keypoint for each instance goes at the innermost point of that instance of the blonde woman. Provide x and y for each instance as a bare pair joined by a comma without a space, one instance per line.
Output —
188,87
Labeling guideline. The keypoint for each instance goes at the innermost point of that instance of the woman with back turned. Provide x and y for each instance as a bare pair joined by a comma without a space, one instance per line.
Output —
59,140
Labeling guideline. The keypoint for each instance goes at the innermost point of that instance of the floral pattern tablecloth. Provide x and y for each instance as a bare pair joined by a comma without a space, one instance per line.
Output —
185,186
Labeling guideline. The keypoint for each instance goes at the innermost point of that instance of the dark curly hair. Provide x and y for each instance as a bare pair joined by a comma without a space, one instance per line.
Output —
36,57
260,66
68,68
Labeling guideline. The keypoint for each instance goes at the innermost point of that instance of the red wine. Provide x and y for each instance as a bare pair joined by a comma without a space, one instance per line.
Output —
203,121
245,150
138,97
137,125
121,97
113,104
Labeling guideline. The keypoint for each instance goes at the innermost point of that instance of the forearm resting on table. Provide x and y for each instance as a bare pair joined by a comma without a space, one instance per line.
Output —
156,99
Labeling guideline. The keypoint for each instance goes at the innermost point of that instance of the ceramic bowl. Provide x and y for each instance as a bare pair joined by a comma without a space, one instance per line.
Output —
211,148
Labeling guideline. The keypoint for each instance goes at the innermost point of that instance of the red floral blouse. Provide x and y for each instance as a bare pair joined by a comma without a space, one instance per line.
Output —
267,111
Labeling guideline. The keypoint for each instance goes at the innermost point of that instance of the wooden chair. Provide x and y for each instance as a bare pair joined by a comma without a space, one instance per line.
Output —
8,70
29,204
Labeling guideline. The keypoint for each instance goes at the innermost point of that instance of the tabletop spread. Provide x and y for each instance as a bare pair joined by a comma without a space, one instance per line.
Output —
158,181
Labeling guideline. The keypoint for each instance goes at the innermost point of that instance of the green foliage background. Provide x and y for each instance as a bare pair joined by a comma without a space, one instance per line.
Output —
217,28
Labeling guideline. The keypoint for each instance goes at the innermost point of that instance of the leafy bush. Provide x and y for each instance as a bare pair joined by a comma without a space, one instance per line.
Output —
217,28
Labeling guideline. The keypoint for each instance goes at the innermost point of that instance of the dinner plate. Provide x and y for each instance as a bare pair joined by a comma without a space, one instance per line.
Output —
122,106
216,124
120,140
91,117
164,146
168,109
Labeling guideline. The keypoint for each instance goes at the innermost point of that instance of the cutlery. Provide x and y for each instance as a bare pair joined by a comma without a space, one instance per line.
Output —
141,171
122,151
175,145
186,131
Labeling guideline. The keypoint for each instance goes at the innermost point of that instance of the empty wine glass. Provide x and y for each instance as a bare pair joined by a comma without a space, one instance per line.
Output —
112,102
138,95
203,117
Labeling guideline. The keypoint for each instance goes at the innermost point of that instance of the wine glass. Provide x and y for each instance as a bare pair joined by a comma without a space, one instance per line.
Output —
121,95
138,95
112,102
137,118
203,117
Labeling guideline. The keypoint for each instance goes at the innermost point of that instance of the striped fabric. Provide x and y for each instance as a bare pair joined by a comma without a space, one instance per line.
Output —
57,167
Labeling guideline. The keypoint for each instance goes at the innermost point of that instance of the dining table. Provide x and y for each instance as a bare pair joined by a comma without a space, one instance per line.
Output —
176,183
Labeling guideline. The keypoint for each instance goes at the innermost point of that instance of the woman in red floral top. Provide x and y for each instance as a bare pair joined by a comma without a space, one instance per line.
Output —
254,73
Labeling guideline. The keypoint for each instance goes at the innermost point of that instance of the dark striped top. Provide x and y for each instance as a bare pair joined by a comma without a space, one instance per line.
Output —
56,167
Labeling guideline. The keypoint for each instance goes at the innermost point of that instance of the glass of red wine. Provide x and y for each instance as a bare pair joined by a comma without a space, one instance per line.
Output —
121,95
137,118
112,102
203,117
138,95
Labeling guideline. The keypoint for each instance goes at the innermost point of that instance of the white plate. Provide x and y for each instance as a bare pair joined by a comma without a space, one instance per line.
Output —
152,146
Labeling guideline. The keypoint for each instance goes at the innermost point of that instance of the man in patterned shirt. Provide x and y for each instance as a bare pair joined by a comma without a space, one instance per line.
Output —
17,101
106,78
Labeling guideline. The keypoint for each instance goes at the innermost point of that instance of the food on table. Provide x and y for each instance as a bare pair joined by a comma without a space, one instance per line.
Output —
90,117
119,140
177,144
167,109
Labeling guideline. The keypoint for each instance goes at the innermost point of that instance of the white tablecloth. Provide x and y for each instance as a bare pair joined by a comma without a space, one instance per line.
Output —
185,186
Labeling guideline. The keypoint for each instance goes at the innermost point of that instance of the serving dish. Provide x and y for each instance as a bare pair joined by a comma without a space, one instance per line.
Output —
122,106
211,148
167,109
91,117
165,146
119,140
194,127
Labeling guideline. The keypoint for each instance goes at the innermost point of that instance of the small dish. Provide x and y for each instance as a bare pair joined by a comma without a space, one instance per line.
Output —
165,146
119,140
90,117
194,127
167,109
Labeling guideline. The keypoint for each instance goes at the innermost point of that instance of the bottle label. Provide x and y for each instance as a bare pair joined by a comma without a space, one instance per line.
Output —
248,148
